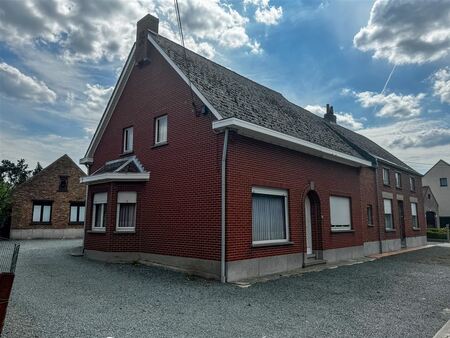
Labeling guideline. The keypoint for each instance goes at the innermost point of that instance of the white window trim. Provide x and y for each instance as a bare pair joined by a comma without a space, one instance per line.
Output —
126,229
94,210
130,137
275,192
335,228
157,129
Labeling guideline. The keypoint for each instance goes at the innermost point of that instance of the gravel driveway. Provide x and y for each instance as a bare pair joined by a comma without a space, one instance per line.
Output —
57,295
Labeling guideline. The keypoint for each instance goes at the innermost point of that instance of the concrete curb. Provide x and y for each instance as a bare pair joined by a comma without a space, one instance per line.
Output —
444,332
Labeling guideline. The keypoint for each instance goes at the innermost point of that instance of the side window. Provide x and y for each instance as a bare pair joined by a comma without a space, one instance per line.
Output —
76,213
42,211
412,183
126,211
388,219
99,205
127,140
161,130
398,180
386,179
415,219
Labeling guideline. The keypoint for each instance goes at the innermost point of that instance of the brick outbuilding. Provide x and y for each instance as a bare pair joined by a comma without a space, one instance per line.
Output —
196,167
50,204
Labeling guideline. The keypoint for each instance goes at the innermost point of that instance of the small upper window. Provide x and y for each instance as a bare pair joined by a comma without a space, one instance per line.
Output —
128,140
369,215
398,180
63,183
412,183
386,180
42,211
340,212
161,130
443,182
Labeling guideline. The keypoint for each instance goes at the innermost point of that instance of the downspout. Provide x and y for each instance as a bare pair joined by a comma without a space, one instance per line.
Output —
85,209
223,276
378,205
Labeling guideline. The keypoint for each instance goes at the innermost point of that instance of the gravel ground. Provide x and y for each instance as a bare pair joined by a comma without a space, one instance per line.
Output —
57,295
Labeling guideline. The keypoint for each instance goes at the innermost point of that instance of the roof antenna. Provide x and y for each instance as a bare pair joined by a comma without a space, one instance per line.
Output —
180,28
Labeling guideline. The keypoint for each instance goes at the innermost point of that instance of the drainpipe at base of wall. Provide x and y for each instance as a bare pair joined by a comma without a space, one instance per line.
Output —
378,205
223,276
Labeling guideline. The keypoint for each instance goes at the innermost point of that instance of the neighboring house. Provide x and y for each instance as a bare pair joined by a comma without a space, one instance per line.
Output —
438,179
225,178
51,203
431,207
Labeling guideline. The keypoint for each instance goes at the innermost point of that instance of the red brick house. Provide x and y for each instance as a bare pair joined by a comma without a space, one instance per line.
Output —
50,204
196,167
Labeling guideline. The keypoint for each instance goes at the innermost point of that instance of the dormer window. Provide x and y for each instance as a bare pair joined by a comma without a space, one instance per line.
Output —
161,130
128,140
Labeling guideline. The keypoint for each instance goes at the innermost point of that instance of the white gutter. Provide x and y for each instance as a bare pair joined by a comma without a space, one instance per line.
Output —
116,177
275,137
223,275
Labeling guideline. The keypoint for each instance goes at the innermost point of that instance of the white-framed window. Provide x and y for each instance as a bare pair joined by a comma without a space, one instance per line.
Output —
126,211
412,183
398,180
340,213
386,179
415,219
161,129
76,212
128,140
270,218
42,211
99,204
388,219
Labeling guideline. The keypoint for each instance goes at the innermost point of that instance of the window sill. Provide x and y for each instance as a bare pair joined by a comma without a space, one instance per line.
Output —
261,245
41,223
416,229
386,185
76,223
371,225
343,230
100,231
157,145
131,231
390,230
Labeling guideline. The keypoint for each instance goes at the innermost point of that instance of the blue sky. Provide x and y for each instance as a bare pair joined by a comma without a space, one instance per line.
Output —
59,61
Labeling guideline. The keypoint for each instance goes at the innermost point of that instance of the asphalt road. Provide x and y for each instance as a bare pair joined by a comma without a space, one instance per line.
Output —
57,295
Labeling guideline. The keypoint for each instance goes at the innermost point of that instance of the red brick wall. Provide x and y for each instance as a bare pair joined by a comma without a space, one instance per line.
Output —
179,212
254,163
407,193
369,197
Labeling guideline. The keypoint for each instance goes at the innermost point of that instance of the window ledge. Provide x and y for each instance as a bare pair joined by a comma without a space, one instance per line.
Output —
76,223
260,245
102,231
343,230
416,229
125,231
371,225
390,230
156,145
41,223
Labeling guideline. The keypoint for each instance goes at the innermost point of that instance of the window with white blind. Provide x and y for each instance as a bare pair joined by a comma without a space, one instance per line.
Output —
388,219
99,205
42,212
128,140
161,130
340,213
126,211
415,220
269,215
76,212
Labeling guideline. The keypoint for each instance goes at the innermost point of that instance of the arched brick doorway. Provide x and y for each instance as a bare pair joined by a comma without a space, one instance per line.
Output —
313,224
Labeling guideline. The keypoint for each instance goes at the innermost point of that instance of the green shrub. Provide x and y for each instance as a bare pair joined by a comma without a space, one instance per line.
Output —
436,233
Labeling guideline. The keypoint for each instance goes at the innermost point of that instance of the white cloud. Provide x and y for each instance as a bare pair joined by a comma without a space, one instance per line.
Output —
266,14
344,119
418,142
441,86
23,87
86,30
407,31
269,15
391,105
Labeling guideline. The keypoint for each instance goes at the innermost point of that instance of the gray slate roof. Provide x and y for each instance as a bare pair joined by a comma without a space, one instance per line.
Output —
234,95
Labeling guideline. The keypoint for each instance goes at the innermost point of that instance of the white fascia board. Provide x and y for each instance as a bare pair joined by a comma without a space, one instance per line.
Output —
115,177
112,103
184,77
275,137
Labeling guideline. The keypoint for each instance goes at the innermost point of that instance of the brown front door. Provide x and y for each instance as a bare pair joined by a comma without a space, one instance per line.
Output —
401,222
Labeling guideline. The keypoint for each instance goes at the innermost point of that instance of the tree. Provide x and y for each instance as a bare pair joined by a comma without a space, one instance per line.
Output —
14,174
37,169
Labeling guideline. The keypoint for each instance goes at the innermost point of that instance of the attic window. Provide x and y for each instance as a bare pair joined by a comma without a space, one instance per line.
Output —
128,140
161,130
63,183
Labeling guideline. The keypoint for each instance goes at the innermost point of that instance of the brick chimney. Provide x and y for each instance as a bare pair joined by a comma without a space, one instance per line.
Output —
329,115
142,52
